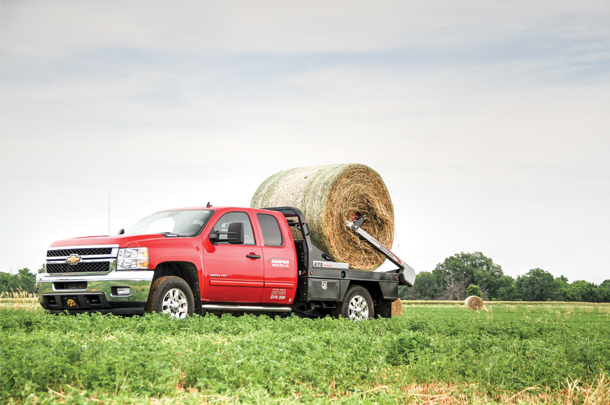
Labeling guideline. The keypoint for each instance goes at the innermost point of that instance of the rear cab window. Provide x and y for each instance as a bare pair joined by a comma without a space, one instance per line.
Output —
270,228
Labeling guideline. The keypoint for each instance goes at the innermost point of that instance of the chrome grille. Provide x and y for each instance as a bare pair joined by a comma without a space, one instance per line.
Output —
86,267
79,251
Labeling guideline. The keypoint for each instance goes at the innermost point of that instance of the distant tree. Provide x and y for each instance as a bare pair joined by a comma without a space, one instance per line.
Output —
27,280
473,290
455,290
565,292
604,291
24,281
5,280
582,291
449,281
538,285
508,290
426,286
403,292
471,268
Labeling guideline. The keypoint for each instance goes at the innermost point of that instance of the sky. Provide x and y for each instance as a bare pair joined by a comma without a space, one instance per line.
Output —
488,121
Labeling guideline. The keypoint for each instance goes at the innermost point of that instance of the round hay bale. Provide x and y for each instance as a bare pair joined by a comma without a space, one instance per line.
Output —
474,302
397,308
329,196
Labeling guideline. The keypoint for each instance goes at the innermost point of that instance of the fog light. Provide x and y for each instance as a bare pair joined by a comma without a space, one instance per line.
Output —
123,291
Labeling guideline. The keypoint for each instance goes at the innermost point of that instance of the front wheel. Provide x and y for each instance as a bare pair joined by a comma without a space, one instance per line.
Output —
357,304
171,295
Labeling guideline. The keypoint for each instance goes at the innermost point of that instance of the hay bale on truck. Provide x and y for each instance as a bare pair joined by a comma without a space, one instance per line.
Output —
329,196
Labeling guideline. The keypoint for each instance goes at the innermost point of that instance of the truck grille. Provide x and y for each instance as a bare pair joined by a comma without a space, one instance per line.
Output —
86,267
79,251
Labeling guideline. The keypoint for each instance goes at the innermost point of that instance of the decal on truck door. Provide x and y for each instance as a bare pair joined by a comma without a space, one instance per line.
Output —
279,262
278,294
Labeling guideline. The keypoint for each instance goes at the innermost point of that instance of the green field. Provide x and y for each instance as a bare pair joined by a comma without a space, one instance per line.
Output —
435,353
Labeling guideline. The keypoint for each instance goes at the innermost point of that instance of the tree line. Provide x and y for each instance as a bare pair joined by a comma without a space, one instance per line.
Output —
23,281
451,279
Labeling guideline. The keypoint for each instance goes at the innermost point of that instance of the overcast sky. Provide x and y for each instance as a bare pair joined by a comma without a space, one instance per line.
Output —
488,120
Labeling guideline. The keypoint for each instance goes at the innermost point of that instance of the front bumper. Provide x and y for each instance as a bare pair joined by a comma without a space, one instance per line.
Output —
95,293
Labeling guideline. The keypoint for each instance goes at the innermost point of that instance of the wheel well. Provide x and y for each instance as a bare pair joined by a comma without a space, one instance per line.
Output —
376,294
372,288
186,271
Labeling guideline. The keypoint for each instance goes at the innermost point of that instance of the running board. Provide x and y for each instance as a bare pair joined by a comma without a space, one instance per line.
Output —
211,307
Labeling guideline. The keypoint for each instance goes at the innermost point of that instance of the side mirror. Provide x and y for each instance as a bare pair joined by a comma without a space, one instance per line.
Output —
121,231
235,234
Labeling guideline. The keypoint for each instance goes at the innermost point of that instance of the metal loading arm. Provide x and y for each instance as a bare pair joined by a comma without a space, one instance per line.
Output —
406,272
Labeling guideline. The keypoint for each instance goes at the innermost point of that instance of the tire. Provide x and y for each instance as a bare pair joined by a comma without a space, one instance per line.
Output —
357,304
171,295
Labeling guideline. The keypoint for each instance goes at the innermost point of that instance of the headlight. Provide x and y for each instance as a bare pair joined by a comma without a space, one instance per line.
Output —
132,258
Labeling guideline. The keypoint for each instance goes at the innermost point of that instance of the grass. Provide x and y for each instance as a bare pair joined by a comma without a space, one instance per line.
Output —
558,312
431,354
518,303
19,301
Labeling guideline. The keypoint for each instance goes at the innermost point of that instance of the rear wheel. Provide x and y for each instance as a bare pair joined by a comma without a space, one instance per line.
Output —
357,304
171,295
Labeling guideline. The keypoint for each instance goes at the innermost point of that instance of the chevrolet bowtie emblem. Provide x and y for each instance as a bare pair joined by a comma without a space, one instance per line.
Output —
73,259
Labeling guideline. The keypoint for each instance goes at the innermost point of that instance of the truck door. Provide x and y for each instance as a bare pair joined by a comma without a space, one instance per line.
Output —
234,273
280,261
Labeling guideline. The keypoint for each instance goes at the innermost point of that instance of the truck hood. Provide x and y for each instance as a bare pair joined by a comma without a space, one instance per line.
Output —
121,240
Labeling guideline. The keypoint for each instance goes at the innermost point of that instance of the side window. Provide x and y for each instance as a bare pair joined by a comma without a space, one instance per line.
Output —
226,219
272,235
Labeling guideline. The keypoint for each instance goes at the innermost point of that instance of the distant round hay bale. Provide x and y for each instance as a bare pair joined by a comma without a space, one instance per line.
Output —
329,196
397,308
474,302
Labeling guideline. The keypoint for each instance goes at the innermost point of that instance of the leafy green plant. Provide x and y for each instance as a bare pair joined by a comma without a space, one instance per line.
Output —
406,347
248,358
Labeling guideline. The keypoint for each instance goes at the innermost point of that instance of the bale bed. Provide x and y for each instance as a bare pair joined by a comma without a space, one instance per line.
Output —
329,196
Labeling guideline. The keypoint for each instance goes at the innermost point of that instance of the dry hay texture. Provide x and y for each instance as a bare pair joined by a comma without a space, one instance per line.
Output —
330,195
474,302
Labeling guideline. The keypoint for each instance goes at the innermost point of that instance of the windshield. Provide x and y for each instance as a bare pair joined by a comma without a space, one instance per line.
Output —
172,223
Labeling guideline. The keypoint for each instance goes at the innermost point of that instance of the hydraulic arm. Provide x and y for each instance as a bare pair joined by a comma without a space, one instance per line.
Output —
406,272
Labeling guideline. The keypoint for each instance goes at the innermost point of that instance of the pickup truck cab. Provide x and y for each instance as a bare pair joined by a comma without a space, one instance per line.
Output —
214,259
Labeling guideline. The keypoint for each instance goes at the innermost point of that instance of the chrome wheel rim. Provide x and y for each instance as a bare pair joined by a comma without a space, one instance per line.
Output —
175,304
358,309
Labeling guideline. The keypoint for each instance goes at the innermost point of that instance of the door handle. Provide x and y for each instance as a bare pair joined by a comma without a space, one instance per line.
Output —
253,256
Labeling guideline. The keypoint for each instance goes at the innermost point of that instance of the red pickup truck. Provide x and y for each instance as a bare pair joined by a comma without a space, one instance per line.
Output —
215,259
